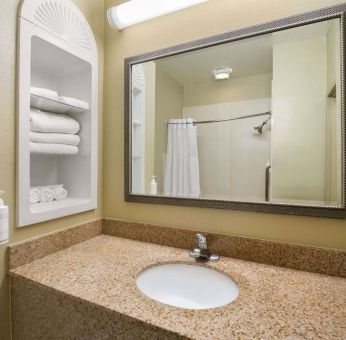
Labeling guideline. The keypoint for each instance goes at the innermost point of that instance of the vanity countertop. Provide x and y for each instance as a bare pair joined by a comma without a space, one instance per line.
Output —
274,302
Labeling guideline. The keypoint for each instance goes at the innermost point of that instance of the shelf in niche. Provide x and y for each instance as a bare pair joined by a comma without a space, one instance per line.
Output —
51,105
38,208
79,155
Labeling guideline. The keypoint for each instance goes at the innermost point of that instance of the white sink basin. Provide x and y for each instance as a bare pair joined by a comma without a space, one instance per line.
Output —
187,286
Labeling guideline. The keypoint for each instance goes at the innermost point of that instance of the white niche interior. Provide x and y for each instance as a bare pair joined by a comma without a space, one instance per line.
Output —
57,51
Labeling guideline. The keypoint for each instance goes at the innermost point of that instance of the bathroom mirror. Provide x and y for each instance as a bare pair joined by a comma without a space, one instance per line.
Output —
251,119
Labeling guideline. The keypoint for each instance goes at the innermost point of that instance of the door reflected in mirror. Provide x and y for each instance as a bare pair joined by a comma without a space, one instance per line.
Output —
255,120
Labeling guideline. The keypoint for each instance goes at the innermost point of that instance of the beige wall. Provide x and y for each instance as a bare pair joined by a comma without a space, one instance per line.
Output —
94,12
233,90
210,18
168,105
333,157
150,79
299,120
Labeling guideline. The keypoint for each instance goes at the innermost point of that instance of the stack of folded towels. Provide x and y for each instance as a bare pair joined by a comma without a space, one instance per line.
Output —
47,194
54,133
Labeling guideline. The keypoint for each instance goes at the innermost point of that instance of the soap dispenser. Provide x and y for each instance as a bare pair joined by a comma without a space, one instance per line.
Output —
3,220
153,186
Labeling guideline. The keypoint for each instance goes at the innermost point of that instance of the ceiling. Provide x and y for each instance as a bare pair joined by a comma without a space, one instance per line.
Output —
246,57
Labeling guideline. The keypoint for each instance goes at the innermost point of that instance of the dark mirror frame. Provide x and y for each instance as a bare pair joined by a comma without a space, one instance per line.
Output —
332,12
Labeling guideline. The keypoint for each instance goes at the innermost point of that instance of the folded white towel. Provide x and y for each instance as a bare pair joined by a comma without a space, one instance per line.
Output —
53,149
54,138
42,92
59,194
35,195
49,193
46,195
75,102
41,121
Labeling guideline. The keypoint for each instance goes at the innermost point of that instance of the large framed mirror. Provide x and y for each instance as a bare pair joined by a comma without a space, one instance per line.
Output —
251,119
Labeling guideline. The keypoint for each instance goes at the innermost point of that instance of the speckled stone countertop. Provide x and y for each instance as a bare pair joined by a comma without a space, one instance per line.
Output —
274,302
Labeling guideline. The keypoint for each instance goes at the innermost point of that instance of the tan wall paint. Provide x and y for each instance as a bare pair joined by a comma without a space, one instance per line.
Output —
233,90
94,12
333,170
168,105
210,18
150,78
299,110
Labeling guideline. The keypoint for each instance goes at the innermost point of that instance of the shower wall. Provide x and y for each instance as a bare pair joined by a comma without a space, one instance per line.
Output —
232,155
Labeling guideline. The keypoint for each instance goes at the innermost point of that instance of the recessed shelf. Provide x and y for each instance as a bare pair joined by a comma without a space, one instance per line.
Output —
51,105
59,154
46,155
38,208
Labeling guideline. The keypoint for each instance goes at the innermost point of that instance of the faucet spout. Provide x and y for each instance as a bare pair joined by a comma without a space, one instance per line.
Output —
202,252
202,241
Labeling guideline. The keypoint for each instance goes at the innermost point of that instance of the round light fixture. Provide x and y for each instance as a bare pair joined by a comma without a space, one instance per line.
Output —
222,73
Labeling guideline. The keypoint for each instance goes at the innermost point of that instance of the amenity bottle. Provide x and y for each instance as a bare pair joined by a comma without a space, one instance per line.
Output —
153,186
3,221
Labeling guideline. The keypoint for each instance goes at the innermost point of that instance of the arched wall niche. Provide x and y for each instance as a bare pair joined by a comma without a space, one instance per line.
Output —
57,52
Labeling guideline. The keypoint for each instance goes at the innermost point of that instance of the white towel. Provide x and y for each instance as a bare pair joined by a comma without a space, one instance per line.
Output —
75,102
54,138
59,194
46,195
41,121
53,149
49,193
35,195
46,93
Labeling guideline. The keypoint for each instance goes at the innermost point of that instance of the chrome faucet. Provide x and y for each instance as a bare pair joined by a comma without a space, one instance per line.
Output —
202,252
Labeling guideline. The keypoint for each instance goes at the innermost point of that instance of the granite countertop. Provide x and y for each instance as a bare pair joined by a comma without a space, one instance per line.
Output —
274,302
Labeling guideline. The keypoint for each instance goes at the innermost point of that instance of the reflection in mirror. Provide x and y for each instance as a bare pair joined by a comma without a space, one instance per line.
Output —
256,120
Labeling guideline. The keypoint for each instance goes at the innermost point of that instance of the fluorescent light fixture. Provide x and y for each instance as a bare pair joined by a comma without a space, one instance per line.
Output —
136,11
222,73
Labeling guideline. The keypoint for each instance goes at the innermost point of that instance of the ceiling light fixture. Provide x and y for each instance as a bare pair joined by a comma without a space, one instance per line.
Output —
222,73
137,11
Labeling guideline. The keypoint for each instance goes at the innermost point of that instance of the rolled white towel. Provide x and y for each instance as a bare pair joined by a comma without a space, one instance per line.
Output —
35,195
60,194
53,149
42,92
75,102
54,138
46,195
41,121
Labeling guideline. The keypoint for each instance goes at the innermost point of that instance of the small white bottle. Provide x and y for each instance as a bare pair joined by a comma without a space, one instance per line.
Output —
153,186
3,221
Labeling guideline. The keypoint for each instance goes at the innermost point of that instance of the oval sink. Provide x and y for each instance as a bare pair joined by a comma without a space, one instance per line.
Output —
187,286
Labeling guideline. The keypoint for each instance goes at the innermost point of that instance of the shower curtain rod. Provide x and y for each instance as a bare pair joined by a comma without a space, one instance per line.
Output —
226,120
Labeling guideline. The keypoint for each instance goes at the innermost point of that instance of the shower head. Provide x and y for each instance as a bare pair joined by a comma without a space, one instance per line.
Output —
259,128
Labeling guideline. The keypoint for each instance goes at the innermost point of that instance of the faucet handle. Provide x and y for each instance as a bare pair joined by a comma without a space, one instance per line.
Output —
202,241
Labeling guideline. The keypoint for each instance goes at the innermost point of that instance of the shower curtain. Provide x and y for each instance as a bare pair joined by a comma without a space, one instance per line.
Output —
181,176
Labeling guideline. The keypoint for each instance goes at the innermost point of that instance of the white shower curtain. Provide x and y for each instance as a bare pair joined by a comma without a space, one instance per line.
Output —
181,176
